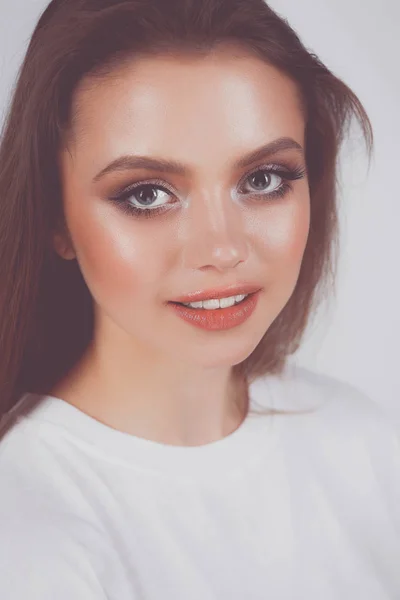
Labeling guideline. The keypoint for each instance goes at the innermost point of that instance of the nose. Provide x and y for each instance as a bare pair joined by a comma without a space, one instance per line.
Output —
215,235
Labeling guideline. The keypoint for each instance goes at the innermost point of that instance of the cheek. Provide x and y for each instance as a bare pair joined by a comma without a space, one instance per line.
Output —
119,261
284,236
282,242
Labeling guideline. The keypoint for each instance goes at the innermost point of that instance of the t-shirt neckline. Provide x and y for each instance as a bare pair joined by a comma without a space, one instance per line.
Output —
247,444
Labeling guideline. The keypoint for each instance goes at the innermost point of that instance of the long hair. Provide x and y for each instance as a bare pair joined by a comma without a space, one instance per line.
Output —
46,309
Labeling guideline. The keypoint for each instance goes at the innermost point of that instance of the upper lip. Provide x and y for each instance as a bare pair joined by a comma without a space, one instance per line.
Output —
232,290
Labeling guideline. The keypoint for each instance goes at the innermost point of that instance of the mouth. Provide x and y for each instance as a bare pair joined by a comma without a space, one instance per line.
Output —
218,314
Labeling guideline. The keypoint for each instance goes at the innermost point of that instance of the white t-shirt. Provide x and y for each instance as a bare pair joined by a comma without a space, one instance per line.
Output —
287,507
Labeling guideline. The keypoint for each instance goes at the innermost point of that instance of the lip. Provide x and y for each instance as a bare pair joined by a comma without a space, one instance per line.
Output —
232,290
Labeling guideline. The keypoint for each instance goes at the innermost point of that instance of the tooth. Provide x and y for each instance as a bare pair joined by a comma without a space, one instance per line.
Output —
240,298
225,302
210,304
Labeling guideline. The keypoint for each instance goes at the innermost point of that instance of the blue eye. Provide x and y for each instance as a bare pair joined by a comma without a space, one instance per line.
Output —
261,180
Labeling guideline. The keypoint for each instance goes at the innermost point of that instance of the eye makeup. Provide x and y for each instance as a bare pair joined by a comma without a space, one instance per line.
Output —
270,172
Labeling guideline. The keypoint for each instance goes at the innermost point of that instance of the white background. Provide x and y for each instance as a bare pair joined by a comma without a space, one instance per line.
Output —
356,337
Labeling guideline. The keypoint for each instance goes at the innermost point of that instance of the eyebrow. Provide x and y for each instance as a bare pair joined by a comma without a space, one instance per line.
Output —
128,162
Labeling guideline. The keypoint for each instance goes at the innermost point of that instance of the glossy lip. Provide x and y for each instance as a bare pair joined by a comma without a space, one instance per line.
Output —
219,319
233,290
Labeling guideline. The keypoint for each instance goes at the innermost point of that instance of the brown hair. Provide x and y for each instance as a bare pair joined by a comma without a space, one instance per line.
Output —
46,316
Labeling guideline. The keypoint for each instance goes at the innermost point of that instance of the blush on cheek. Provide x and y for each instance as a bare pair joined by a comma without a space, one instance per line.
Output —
121,266
287,231
105,269
285,239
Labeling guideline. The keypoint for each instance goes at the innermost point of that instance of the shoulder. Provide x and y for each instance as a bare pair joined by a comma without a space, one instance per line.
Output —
337,415
43,556
302,388
343,440
36,470
329,407
50,547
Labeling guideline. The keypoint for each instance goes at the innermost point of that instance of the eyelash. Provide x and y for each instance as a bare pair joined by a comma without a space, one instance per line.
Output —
286,174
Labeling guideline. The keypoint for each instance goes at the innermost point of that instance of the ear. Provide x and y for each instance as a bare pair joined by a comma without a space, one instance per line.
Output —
62,244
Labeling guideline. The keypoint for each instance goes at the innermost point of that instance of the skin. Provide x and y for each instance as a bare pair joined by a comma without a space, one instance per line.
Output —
147,372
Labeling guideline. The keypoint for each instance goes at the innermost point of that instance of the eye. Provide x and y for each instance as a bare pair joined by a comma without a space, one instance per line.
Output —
264,181
148,194
135,199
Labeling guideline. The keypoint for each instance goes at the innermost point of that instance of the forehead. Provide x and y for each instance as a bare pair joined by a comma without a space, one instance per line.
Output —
225,97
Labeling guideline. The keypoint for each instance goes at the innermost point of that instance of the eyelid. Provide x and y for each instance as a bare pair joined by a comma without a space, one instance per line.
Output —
156,182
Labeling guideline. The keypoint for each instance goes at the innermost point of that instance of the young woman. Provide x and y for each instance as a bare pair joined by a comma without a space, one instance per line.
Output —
167,227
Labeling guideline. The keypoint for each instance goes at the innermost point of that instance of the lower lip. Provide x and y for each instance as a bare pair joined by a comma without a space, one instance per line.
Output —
220,318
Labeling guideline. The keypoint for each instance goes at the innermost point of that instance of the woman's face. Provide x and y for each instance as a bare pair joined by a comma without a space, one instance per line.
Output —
211,223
